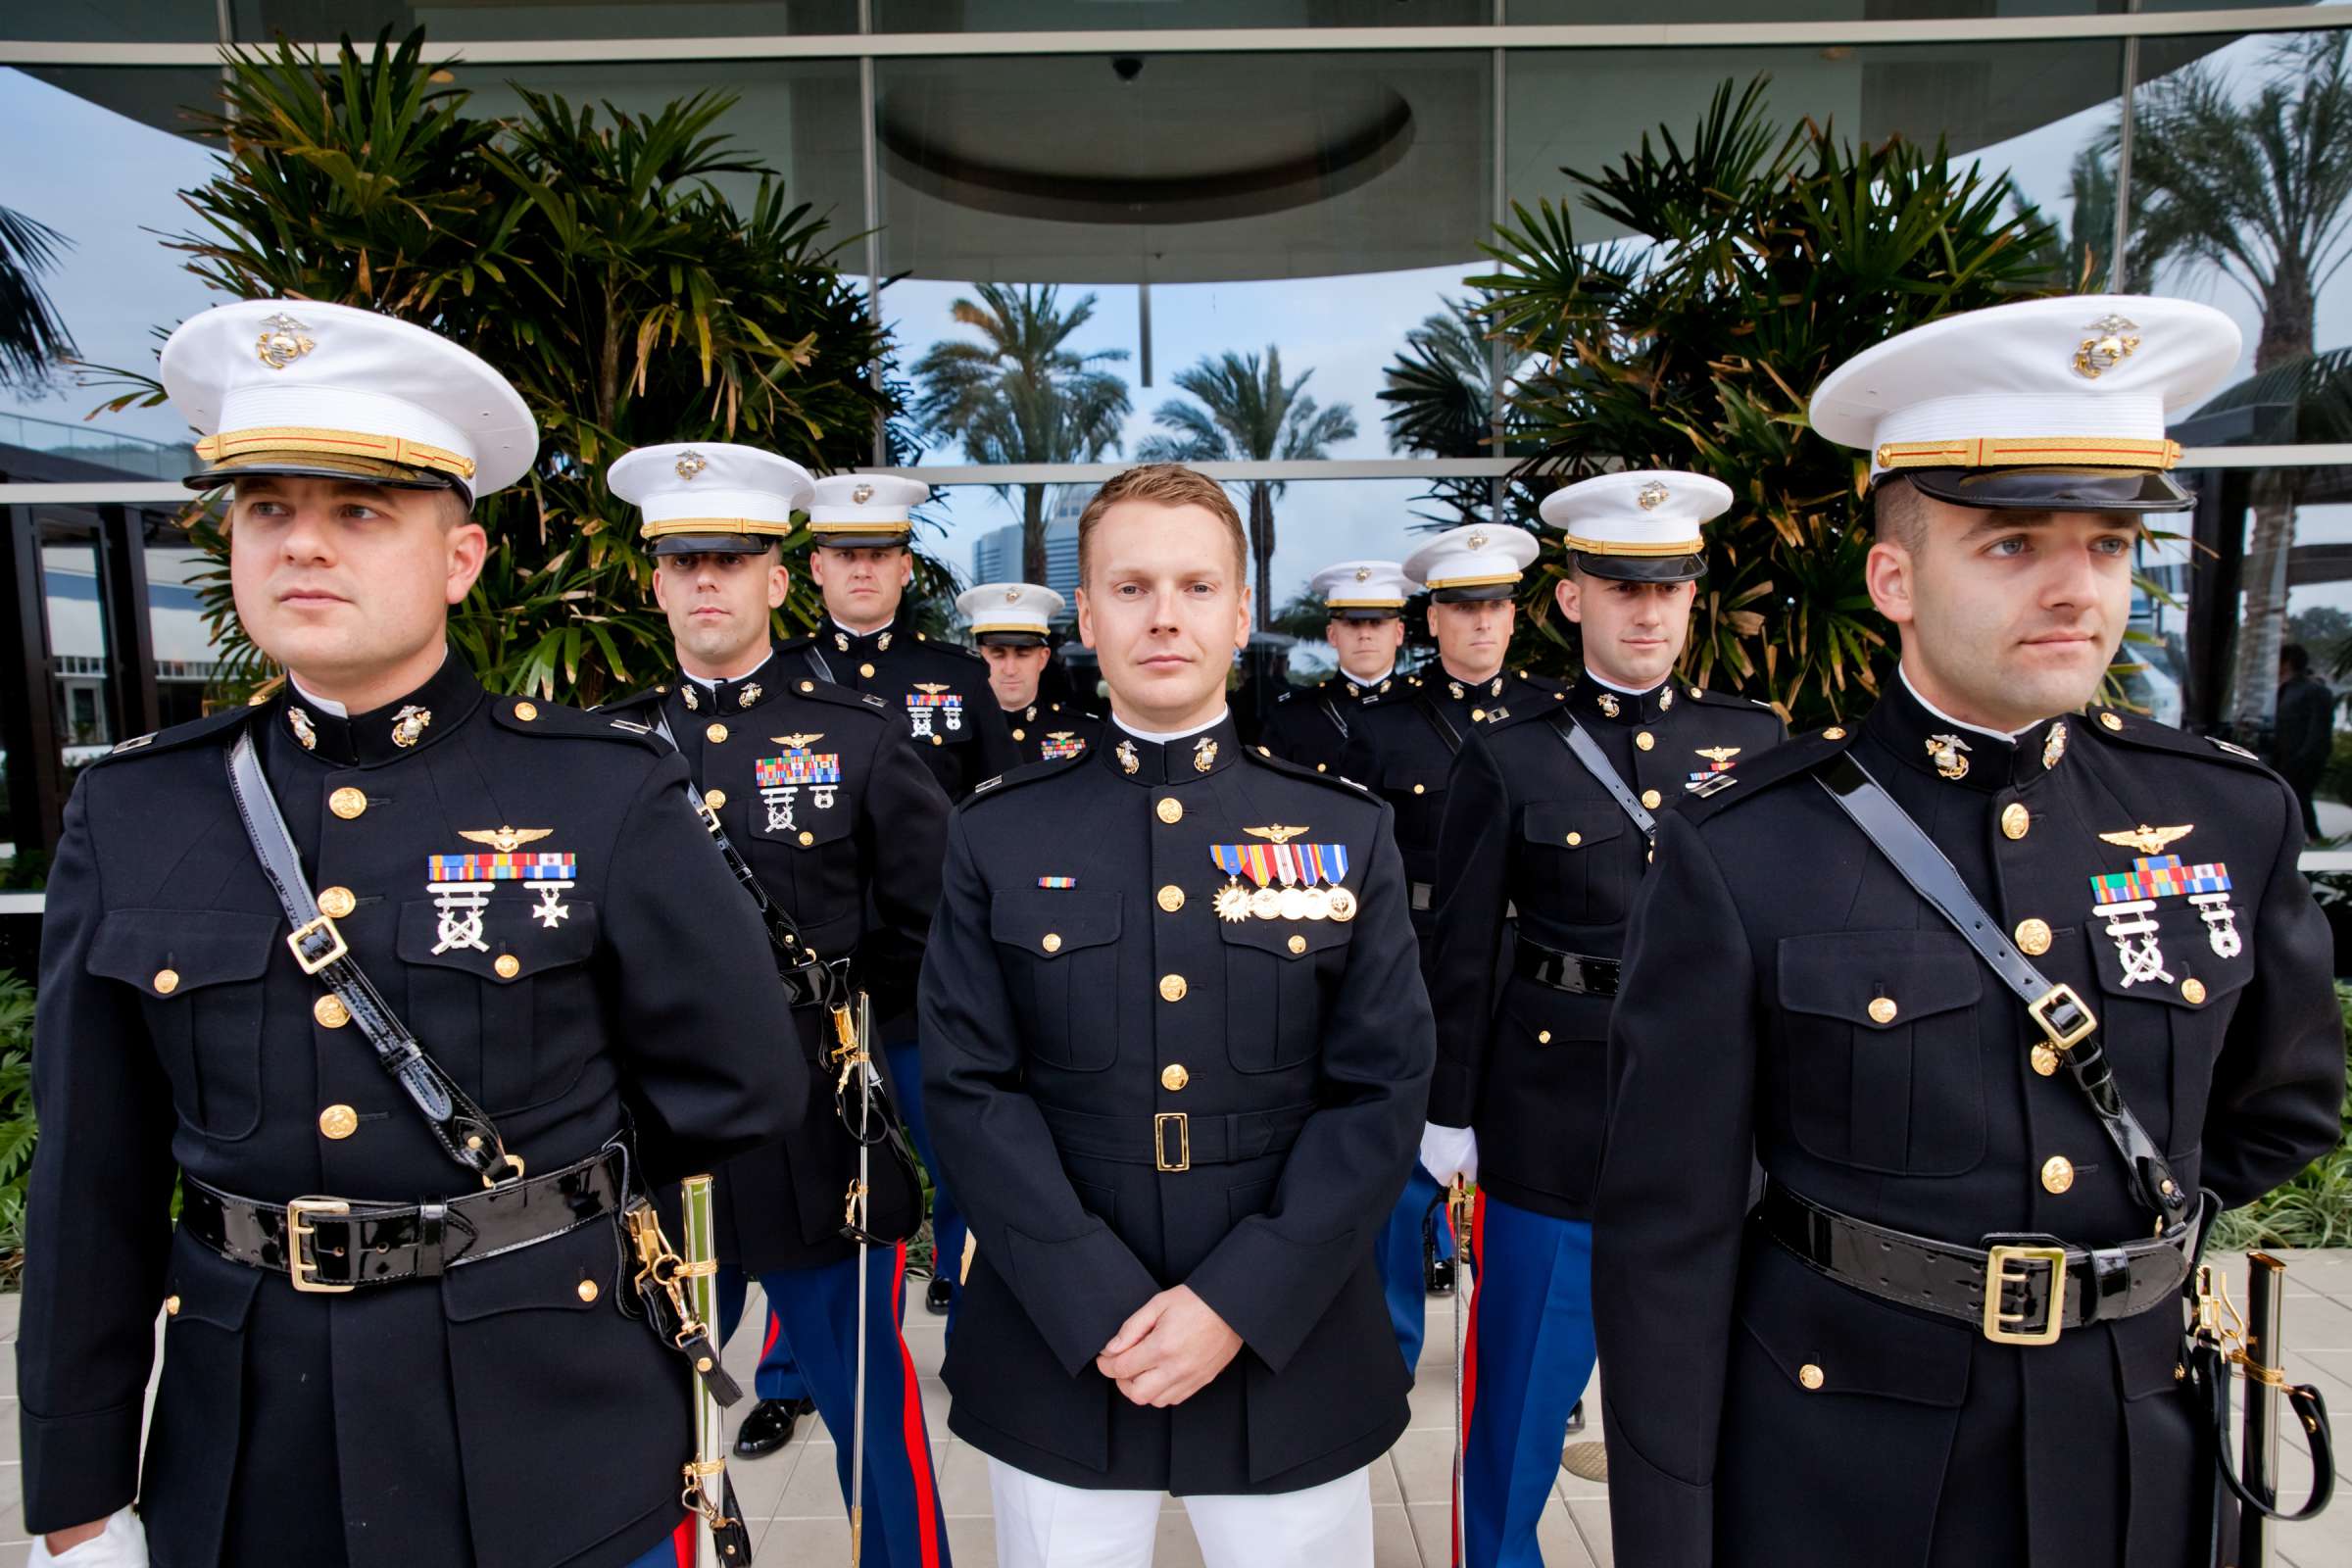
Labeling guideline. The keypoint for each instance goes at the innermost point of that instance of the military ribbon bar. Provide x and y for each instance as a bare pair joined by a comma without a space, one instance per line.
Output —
798,768
502,868
2157,878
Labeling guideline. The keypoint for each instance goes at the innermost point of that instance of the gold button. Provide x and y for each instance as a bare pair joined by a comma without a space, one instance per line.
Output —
1651,799
337,903
1836,732
166,981
1542,1037
2111,721
2045,1059
171,1306
807,685
2057,1173
338,1122
1051,942
2033,937
1020,735
2015,820
1170,808
1810,1376
1173,1077
330,1012
807,838
1574,838
508,965
714,799
1171,897
1883,1009
1297,944
588,1291
1645,740
347,803
2192,990
1172,987
939,740
526,711
1420,789
867,670
715,733
1478,716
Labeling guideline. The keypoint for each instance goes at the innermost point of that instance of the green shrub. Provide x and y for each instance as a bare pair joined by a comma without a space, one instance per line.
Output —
2315,1209
16,1129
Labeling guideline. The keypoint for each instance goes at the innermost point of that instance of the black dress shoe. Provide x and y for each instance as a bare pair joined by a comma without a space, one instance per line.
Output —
1575,1418
939,1295
1437,1273
769,1426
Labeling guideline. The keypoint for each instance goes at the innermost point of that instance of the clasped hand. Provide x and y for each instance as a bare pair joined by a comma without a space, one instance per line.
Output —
1170,1349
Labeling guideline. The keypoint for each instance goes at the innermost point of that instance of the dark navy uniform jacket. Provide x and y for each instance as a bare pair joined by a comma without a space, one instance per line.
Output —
1787,991
1050,731
939,689
822,792
1310,724
1527,826
1089,1016
508,1413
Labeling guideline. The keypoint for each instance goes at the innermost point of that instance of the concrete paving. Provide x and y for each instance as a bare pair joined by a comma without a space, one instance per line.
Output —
795,1502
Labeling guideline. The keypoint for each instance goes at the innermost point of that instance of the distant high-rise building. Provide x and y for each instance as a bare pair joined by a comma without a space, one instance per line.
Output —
997,554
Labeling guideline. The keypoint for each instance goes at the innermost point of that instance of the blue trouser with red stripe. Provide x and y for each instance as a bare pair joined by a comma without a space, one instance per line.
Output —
817,1311
1529,1359
777,1377
1418,1217
904,1059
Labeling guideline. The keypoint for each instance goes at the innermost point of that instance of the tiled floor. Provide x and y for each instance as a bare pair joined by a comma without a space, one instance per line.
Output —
795,1497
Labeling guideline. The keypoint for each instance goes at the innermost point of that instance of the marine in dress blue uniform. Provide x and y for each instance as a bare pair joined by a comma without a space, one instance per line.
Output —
1012,624
1533,828
1950,1332
860,560
1310,725
431,1358
822,792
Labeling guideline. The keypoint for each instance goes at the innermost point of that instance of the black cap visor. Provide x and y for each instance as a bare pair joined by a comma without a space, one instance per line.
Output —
306,465
2124,490
886,536
1474,593
1009,639
1368,613
1641,568
713,544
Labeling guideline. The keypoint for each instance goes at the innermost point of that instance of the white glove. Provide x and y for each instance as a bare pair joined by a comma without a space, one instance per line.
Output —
1446,1151
123,1545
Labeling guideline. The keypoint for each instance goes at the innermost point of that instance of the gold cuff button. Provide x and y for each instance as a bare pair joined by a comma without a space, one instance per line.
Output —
330,1012
1052,941
508,965
1810,1376
337,903
1173,1077
807,838
338,1122
1651,799
2015,820
1883,1009
1645,740
1170,808
2192,990
715,733
2033,937
714,799
166,981
171,1306
588,1291
2057,1173
1172,987
347,803
1297,945
867,670
526,711
1171,897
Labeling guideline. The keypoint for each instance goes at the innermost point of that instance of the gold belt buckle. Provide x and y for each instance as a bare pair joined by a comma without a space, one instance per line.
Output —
338,951
2061,1038
1184,1140
305,1273
1997,1273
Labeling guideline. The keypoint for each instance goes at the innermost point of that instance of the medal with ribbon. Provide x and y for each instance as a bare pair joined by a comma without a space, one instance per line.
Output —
1286,881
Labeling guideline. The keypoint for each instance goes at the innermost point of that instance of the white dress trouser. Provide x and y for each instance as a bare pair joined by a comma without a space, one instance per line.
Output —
1043,1523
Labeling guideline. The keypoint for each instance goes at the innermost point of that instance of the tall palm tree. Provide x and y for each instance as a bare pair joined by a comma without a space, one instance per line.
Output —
2259,189
1020,395
33,339
1440,394
1248,413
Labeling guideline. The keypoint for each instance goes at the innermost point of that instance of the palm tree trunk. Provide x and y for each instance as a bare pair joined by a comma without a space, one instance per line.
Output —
1033,533
2286,336
1261,549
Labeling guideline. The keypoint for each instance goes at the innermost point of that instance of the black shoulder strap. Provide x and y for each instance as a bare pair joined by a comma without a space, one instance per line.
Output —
1436,715
816,661
2070,1028
1331,710
806,979
464,1129
1588,750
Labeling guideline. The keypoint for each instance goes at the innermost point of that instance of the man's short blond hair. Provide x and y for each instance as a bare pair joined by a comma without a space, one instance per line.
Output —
1166,484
